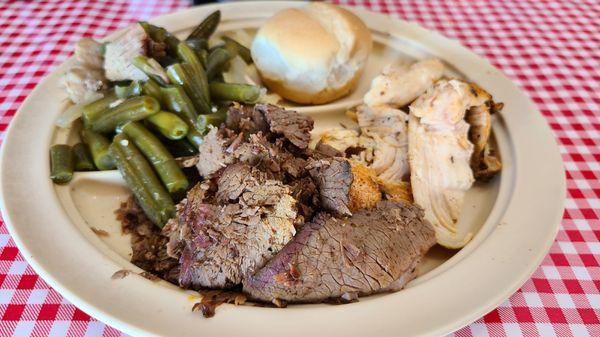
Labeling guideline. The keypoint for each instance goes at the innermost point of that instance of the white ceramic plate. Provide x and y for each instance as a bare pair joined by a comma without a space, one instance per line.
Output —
516,216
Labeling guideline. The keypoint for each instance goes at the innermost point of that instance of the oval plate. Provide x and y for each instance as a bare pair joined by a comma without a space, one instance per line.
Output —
516,216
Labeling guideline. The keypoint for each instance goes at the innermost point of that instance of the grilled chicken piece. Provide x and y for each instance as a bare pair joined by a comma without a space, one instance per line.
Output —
484,164
340,139
383,132
401,83
384,139
396,191
121,52
488,166
383,127
85,81
364,191
440,153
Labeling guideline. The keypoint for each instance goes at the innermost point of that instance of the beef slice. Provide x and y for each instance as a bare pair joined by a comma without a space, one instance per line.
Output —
334,178
373,251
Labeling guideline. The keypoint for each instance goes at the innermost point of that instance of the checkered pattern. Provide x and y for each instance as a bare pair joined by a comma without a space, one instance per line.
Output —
551,49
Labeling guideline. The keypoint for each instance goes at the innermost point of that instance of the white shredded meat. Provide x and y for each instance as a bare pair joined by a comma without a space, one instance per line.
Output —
383,126
340,138
120,53
85,81
384,138
88,52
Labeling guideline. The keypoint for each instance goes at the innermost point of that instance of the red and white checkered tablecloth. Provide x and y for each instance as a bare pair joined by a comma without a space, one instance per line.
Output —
550,48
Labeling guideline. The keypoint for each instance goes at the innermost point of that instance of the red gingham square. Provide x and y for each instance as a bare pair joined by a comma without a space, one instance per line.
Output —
551,49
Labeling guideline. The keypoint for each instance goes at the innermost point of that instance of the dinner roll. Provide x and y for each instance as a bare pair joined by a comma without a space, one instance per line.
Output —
313,54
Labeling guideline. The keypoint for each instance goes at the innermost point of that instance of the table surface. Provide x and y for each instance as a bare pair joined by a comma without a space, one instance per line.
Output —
551,49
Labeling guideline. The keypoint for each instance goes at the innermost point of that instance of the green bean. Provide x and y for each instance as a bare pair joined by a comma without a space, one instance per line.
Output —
159,34
217,59
151,68
139,176
215,119
235,47
83,158
98,145
195,137
197,44
203,57
93,110
153,89
207,27
61,163
133,109
245,93
169,125
176,100
160,158
191,60
180,148
125,91
182,75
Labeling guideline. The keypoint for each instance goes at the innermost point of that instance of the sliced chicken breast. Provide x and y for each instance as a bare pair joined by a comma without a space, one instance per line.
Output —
439,153
400,83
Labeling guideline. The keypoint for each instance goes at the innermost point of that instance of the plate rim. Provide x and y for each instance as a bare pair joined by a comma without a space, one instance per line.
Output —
441,328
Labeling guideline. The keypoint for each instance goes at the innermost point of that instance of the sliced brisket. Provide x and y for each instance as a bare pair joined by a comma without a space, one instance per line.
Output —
374,250
333,176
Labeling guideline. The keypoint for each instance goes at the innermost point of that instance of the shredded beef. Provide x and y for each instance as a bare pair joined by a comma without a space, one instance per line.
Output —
149,246
267,118
305,191
323,150
334,177
246,119
260,153
295,167
293,126
213,154
217,245
233,181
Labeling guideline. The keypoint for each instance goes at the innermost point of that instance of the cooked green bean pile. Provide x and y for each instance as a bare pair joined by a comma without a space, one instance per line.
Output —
139,127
